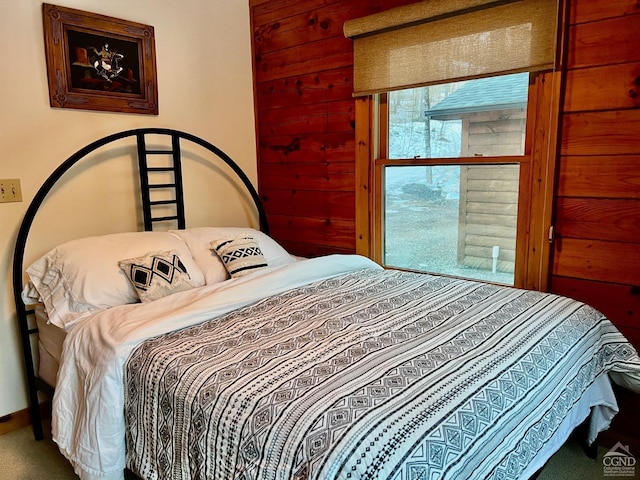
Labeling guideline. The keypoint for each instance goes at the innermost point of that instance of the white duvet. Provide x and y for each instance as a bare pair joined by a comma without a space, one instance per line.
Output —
88,422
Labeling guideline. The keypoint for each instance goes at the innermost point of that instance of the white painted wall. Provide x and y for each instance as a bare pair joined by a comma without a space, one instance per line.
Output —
203,56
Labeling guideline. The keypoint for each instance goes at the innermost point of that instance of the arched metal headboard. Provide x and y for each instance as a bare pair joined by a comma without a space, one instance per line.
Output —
35,383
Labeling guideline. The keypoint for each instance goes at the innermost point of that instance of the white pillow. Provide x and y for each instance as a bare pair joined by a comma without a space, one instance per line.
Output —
157,274
83,276
199,239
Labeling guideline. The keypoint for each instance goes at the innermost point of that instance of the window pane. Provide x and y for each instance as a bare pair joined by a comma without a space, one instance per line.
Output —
486,117
455,220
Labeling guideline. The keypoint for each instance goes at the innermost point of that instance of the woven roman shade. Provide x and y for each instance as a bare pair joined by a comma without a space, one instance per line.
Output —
437,41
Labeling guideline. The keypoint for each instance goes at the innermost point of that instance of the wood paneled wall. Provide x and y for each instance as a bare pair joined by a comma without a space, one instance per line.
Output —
597,213
306,156
306,114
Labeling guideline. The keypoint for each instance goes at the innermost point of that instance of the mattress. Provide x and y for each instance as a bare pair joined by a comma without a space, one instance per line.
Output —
50,339
259,352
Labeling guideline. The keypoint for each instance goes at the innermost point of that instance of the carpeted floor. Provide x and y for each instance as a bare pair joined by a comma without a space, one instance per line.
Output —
22,458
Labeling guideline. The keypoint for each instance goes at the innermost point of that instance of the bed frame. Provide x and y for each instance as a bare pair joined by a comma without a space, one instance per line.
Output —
25,312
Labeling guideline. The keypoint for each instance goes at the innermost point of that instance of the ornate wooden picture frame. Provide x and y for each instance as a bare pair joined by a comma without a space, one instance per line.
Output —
95,62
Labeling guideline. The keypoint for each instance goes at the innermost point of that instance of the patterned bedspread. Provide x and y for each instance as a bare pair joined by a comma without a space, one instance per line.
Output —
373,374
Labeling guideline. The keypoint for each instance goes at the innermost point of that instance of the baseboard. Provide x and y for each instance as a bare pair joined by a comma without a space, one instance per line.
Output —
17,420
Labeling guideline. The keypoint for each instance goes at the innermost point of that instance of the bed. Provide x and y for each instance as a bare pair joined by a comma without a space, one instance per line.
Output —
211,352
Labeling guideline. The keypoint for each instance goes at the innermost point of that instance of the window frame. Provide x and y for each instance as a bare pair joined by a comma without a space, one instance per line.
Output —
537,178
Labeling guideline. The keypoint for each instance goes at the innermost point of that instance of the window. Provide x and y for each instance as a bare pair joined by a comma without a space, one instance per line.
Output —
455,127
456,218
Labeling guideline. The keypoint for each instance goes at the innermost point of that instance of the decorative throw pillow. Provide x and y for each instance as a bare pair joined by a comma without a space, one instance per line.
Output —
157,274
240,255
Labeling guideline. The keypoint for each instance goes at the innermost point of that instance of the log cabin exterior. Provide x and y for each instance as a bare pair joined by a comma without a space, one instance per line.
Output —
493,117
306,146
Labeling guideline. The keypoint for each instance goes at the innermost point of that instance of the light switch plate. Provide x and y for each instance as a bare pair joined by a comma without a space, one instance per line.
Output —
10,190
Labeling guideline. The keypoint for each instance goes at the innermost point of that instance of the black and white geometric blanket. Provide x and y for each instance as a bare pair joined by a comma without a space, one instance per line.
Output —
369,375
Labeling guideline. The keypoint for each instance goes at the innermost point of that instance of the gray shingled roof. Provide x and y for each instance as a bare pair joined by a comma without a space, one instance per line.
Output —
492,93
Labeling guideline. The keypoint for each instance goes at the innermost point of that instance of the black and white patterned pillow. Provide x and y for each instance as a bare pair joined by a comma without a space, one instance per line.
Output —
240,255
156,275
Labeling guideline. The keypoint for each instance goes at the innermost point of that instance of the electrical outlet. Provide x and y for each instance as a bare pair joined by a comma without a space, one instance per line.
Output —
10,190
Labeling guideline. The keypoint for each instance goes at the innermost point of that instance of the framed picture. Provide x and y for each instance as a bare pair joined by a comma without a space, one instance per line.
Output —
95,62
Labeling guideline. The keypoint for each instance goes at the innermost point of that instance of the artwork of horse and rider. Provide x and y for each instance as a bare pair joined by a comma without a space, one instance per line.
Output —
95,62
103,63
